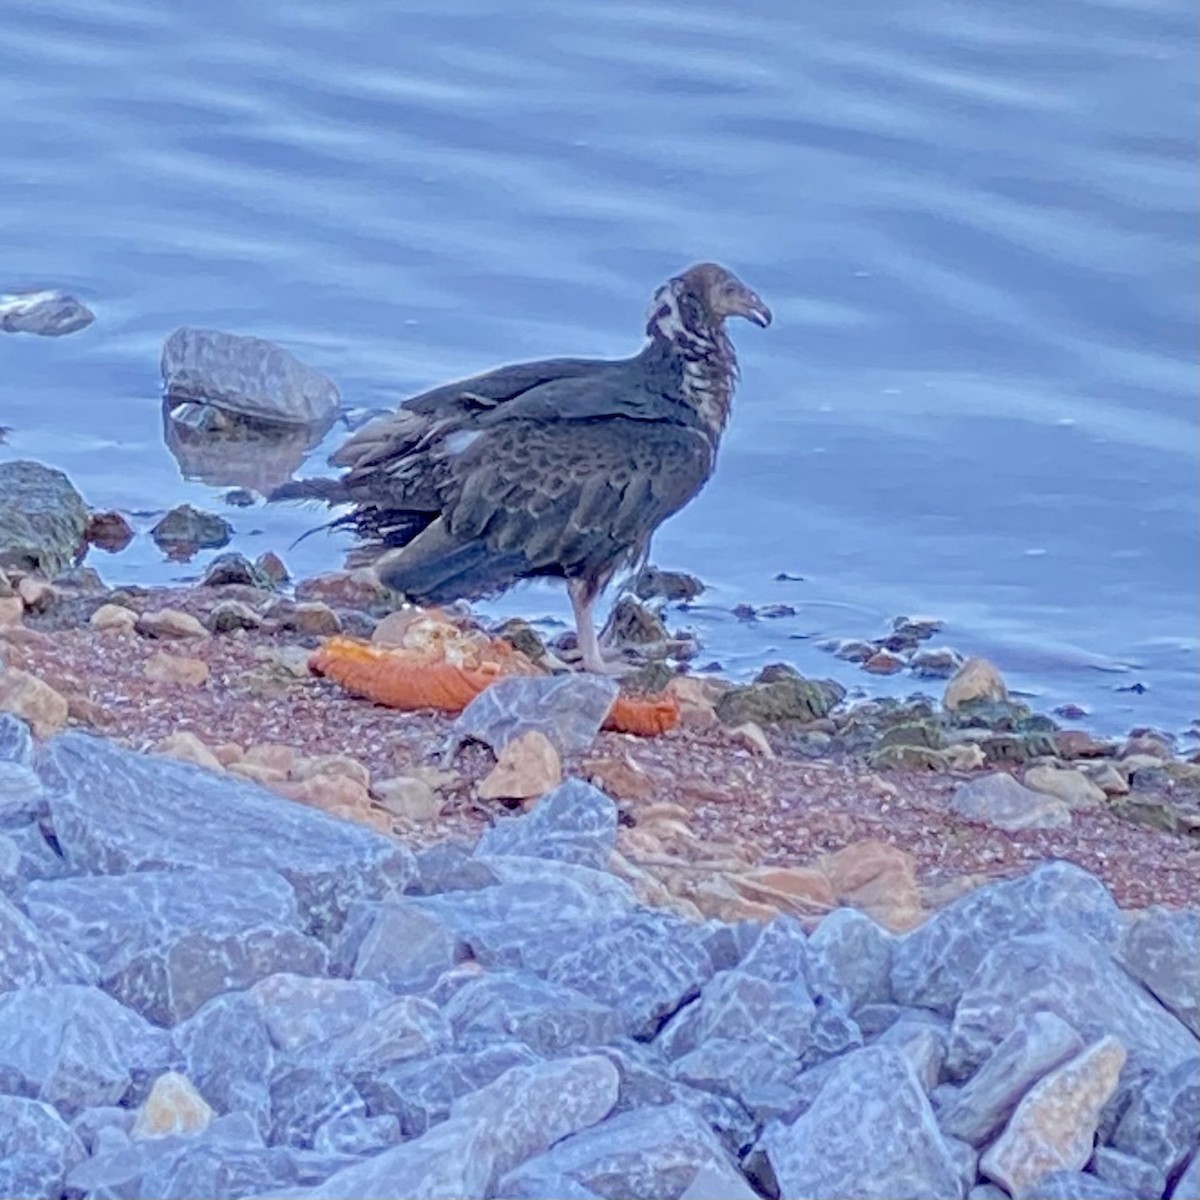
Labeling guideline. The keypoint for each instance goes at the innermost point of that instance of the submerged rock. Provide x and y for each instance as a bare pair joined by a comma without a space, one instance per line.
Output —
43,518
186,529
48,313
779,693
246,375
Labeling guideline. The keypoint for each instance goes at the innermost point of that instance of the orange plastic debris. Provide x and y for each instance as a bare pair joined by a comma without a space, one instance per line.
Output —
400,677
646,716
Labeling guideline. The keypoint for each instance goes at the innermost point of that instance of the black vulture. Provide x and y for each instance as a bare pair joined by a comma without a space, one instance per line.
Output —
557,468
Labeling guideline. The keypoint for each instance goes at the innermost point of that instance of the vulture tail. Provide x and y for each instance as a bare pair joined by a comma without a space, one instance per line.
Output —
434,568
331,491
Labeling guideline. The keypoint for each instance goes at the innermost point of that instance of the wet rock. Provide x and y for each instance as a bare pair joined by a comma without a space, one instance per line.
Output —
37,1148
271,567
175,669
567,709
42,518
74,1047
884,662
173,1106
114,811
48,313
526,767
1135,1177
1078,743
108,531
871,1097
933,965
1159,1125
1000,801
976,680
113,618
549,1018
632,624
1160,947
314,618
521,636
575,823
168,941
646,1152
1059,971
186,529
247,376
233,568
1054,1125
226,616
170,624
1148,742
849,959
854,650
652,583
984,1104
935,662
33,701
1072,787
877,878
778,694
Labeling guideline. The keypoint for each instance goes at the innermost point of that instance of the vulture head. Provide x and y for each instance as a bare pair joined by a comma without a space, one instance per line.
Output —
696,303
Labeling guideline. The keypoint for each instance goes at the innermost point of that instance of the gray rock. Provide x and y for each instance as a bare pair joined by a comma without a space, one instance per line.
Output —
922,1043
10,870
1035,1045
49,313
247,376
357,1135
987,1191
1074,978
1160,1124
20,788
574,823
550,1018
37,1148
235,568
653,1153
42,518
301,1011
1073,1185
91,1122
36,858
450,1160
1160,949
933,964
529,1108
28,956
1140,1180
114,812
644,966
75,1047
407,1028
420,1093
228,1055
604,892
449,866
168,941
1000,801
849,959
711,1183
186,528
16,742
871,1099
304,1098
568,709
728,944
1187,1187
780,953
401,944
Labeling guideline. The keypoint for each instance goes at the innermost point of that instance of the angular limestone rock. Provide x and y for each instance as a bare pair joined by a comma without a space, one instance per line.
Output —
574,823
849,959
1000,801
1161,948
1160,1124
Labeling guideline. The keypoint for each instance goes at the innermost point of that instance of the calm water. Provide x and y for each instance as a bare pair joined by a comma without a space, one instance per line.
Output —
975,225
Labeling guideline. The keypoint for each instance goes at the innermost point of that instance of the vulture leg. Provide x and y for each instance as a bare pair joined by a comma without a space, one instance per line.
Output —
582,599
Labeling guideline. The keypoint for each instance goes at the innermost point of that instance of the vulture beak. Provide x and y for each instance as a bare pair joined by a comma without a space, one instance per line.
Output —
755,310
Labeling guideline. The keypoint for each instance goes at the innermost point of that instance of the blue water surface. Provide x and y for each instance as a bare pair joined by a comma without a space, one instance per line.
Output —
975,224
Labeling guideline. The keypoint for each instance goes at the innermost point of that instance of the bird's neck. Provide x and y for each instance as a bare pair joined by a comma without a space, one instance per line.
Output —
707,364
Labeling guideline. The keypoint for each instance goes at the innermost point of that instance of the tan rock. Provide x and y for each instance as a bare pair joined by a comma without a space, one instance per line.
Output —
1139,762
257,773
113,618
1073,787
228,752
272,566
108,531
788,889
409,798
162,667
36,594
697,709
12,610
331,764
1141,743
336,795
620,776
965,756
877,878
1054,1126
749,735
33,700
437,778
173,1106
314,617
528,766
1108,779
391,629
884,662
272,754
187,747
976,679
1078,743
716,897
170,624
359,589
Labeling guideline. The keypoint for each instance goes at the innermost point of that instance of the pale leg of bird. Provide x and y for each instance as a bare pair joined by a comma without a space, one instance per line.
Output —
582,599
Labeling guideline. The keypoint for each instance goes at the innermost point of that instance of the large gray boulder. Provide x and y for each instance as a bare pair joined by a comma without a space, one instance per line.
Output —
42,518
